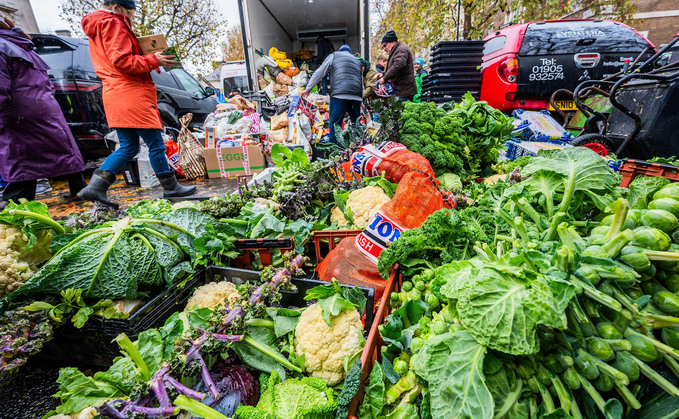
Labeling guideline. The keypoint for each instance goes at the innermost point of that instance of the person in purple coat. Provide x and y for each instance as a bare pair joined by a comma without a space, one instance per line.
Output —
35,140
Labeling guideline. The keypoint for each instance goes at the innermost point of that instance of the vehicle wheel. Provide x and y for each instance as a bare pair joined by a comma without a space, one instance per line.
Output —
598,143
171,131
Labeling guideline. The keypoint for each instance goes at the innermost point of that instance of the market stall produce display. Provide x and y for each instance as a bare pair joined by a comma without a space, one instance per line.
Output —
543,291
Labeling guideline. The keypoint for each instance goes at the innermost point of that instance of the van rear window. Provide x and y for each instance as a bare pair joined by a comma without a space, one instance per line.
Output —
544,38
494,45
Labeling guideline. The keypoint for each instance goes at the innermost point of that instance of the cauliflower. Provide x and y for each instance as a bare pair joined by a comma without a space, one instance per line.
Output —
325,348
87,413
364,204
13,270
212,295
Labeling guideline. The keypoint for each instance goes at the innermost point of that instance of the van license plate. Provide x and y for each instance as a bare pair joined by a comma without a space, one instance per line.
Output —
564,105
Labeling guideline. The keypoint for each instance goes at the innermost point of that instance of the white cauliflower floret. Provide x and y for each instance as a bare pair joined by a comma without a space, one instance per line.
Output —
364,204
13,271
212,295
325,347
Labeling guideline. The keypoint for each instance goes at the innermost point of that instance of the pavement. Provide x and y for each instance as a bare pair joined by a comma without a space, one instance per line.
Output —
126,195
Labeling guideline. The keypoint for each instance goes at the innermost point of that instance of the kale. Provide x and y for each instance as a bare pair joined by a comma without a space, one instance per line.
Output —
444,237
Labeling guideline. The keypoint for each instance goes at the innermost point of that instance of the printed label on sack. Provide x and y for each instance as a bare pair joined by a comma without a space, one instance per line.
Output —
377,236
389,147
365,165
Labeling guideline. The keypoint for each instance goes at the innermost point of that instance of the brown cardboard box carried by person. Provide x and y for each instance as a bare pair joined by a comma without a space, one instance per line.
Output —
152,43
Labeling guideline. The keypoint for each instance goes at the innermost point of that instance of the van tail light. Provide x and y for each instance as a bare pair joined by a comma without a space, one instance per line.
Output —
509,69
70,86
510,96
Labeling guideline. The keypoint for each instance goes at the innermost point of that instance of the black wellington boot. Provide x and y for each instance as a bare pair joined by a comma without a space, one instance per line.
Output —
172,188
96,190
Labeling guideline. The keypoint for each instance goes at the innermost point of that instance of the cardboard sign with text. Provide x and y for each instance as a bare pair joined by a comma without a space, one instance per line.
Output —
234,161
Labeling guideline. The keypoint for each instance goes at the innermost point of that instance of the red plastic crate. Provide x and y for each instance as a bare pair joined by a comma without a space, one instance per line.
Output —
374,342
261,246
631,168
333,237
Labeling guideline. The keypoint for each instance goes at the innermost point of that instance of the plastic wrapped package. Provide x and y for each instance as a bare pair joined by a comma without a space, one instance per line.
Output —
354,260
243,126
390,157
223,128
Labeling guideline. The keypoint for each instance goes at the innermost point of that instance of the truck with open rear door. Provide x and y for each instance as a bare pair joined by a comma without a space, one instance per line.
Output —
290,25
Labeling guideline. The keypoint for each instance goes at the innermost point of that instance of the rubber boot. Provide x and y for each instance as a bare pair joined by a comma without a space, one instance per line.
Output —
96,190
172,188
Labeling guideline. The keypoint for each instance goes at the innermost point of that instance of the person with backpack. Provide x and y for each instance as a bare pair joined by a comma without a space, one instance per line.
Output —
130,98
346,79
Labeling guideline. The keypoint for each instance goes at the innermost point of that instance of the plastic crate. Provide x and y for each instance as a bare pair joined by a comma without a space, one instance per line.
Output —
517,148
262,247
374,341
333,237
93,345
631,168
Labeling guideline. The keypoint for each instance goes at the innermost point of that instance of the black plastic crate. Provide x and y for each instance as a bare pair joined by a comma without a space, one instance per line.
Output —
93,345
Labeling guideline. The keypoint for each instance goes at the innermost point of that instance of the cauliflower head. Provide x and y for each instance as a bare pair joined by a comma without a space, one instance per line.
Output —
364,204
325,347
13,270
213,295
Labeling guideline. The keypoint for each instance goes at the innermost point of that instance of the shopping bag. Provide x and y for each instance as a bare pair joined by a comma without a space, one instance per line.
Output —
191,157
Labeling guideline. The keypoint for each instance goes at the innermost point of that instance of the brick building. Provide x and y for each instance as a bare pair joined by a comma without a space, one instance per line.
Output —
22,14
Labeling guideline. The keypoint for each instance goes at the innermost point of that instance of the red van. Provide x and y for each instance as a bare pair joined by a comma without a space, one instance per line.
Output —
524,64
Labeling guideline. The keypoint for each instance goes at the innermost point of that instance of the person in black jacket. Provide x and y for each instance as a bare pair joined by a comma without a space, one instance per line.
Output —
346,78
399,69
325,48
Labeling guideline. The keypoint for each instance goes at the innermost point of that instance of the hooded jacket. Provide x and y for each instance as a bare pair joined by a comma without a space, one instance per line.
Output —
130,99
400,72
35,140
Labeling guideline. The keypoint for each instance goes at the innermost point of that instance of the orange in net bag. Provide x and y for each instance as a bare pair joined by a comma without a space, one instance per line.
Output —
354,260
390,157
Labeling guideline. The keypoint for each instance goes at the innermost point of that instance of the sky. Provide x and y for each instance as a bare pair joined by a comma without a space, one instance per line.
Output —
47,13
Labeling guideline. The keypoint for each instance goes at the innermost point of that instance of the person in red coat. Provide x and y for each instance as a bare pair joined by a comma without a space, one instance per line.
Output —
129,95
35,140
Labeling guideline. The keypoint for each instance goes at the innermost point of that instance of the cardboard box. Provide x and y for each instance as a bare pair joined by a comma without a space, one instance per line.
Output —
152,43
235,161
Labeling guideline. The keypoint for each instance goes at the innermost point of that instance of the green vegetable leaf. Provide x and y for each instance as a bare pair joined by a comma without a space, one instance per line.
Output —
389,372
333,306
375,391
641,190
356,297
255,358
284,320
503,311
557,414
452,364
38,306
78,391
571,173
402,411
81,316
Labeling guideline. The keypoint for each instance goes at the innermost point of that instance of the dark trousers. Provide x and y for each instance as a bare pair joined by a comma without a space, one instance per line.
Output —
26,189
338,108
406,98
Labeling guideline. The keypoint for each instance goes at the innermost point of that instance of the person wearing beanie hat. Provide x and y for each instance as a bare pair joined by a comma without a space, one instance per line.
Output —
399,70
128,4
346,81
130,98
420,74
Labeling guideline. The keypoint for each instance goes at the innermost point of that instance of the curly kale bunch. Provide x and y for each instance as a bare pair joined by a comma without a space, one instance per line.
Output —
444,237
462,138
431,132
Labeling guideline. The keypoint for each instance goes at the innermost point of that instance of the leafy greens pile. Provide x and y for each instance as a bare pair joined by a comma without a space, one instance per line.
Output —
461,138
551,318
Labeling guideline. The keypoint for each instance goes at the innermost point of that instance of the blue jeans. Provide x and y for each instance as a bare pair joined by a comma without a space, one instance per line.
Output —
129,148
338,108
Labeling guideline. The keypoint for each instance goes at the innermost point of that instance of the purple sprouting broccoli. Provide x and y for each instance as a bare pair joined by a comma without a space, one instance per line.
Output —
156,402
